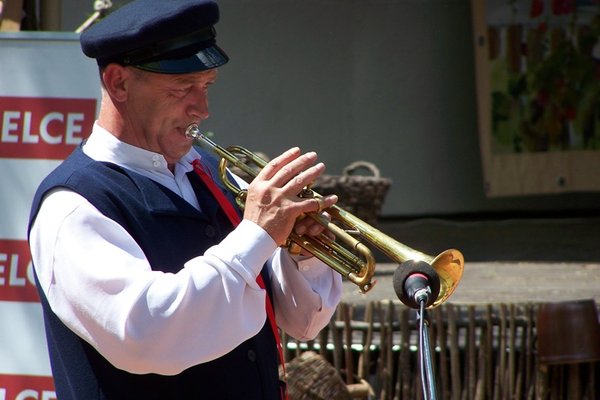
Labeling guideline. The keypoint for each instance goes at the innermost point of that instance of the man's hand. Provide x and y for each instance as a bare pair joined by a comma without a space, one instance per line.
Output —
273,203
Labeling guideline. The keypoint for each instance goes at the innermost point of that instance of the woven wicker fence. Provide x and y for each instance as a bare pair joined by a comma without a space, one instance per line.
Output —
480,352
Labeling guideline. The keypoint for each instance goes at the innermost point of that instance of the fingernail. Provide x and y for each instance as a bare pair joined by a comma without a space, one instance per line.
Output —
301,230
314,230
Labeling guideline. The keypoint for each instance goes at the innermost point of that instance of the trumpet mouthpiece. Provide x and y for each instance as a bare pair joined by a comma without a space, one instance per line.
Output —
192,131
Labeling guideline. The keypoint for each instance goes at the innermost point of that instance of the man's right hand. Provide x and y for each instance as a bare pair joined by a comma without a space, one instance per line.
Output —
272,201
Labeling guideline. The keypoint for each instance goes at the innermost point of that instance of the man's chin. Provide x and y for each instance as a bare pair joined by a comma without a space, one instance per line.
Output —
183,150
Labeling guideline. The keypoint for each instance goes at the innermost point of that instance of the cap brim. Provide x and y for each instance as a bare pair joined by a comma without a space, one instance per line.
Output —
208,58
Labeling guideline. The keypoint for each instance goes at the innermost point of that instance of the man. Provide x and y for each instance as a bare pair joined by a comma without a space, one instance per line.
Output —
151,286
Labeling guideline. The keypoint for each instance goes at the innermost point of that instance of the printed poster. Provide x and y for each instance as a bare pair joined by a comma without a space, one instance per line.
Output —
538,90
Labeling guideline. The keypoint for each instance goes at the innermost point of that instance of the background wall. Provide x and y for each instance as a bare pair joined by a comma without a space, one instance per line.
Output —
387,81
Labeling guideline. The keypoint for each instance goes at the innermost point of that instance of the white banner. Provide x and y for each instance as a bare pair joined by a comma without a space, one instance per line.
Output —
49,97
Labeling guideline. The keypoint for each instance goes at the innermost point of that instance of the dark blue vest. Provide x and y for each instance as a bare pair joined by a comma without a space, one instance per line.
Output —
170,231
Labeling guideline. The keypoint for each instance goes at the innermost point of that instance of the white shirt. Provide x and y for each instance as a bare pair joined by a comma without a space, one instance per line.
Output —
99,283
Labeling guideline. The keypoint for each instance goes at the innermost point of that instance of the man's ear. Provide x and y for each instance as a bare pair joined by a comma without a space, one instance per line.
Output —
114,77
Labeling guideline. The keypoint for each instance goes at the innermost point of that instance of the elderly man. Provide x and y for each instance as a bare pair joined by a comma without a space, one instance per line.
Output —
153,284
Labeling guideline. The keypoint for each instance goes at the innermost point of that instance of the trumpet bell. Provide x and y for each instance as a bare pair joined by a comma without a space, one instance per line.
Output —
449,266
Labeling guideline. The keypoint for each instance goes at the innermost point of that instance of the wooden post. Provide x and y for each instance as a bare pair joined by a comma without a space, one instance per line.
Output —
454,354
471,355
442,342
12,12
511,370
489,344
365,359
337,343
50,15
389,348
347,315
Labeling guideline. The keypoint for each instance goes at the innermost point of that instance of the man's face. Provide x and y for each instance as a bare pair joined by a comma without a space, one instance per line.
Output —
160,107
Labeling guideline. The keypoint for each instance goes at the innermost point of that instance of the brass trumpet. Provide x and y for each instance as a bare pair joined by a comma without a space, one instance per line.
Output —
346,254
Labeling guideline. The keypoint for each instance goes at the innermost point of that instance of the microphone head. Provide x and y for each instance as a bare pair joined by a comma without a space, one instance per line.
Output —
412,267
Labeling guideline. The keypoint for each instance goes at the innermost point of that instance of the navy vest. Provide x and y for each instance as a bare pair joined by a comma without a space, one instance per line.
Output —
170,232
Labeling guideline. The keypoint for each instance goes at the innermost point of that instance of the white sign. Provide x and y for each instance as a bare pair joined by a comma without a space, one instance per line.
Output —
49,97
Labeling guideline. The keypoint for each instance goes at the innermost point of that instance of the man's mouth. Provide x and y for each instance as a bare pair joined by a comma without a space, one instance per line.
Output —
184,132
191,131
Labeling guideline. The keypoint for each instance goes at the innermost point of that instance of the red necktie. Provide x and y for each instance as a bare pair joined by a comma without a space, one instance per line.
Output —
235,220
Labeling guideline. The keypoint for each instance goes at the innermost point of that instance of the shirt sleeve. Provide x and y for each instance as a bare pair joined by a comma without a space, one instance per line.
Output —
306,293
99,283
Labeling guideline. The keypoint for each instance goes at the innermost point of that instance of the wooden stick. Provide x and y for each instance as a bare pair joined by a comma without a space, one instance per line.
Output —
405,366
364,360
347,312
489,344
471,358
454,354
511,352
389,364
442,342
337,346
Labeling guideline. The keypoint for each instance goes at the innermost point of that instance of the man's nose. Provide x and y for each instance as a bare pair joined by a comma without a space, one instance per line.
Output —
198,108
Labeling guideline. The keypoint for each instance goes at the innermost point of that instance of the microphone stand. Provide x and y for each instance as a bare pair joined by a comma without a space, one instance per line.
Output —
427,376
415,284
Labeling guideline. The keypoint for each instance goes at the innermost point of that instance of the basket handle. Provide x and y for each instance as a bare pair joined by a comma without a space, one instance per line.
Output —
361,164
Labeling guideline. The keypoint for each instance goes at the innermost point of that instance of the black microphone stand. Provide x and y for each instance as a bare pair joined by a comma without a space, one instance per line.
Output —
417,285
427,376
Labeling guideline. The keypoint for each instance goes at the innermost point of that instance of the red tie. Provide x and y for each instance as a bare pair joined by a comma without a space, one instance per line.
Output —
235,219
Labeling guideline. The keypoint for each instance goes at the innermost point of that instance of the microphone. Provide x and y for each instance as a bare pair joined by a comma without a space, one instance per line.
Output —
416,282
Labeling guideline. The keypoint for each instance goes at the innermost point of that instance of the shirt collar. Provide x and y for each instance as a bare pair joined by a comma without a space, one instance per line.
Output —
104,146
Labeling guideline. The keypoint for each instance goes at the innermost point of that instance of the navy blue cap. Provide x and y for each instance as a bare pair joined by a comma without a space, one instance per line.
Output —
171,37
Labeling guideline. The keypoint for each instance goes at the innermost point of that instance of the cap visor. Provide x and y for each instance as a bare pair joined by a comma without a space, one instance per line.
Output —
208,58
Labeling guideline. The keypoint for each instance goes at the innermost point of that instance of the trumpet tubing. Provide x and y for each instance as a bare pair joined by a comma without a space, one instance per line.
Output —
348,253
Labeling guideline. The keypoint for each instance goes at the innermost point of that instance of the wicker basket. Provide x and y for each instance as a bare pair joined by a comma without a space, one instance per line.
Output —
311,377
360,195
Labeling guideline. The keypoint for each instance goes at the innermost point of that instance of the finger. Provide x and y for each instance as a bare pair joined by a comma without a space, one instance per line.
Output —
320,204
324,202
273,166
296,183
317,206
296,170
319,227
309,225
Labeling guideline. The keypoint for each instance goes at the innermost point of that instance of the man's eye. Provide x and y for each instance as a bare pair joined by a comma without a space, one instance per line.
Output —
183,91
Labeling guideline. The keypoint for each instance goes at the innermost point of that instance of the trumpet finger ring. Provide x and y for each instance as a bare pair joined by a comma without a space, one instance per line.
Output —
320,204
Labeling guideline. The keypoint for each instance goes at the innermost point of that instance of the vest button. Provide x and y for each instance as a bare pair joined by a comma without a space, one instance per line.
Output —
210,231
251,355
